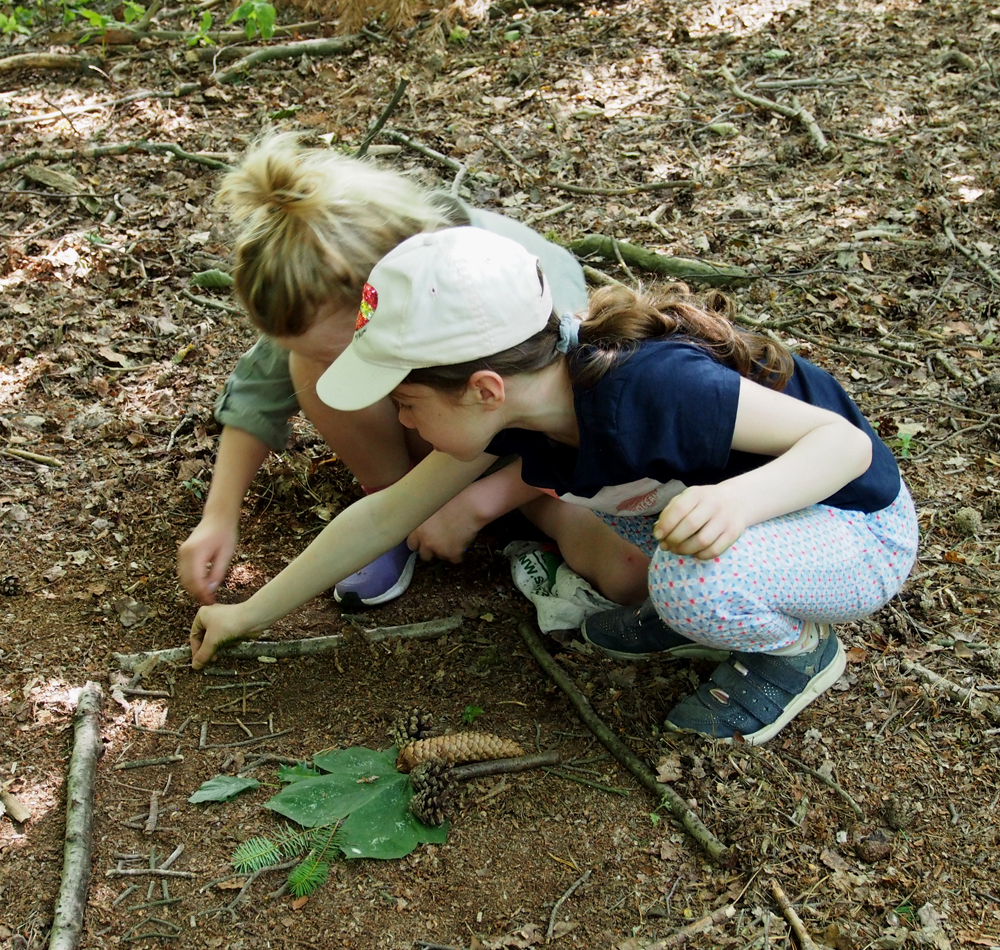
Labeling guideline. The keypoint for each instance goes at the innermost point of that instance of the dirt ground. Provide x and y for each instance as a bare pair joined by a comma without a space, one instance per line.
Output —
876,257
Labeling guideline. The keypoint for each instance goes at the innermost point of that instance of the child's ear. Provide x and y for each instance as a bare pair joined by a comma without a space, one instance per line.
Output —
487,388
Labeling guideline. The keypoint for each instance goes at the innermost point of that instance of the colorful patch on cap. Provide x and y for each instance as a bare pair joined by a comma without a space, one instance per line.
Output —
369,301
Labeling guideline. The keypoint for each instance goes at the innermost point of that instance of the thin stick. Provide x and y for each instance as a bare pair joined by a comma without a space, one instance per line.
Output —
32,457
797,111
144,872
977,704
965,252
699,926
562,900
67,923
233,745
794,921
691,823
517,763
826,780
383,118
142,763
590,783
626,190
427,630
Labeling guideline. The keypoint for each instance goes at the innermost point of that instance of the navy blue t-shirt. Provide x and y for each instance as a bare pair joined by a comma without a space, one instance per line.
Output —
663,419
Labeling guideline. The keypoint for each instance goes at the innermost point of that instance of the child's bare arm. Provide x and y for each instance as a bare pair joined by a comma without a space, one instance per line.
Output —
353,539
816,453
204,557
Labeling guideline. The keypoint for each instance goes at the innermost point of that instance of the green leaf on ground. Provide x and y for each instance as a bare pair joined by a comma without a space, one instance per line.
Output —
222,788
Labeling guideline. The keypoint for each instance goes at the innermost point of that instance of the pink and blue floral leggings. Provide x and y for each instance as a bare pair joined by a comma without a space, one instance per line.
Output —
820,563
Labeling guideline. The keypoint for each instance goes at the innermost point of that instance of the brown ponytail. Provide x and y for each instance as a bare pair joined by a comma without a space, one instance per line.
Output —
617,321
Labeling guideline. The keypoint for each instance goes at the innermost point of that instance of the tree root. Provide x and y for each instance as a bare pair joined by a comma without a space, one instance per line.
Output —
71,904
678,268
667,797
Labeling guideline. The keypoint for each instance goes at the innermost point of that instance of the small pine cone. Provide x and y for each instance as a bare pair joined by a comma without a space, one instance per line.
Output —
428,808
415,724
455,749
431,775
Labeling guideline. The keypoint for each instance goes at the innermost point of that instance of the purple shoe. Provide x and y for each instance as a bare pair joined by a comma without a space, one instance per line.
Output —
383,580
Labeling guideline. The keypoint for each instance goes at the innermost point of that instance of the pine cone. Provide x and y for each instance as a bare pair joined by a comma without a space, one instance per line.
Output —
428,808
415,724
432,775
456,749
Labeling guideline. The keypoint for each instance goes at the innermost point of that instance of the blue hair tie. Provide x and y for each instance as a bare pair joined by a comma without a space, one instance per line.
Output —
569,332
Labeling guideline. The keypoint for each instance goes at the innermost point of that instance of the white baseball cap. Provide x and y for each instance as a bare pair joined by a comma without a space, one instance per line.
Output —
435,300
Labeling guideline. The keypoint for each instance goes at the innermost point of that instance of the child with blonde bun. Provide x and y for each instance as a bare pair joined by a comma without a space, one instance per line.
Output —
310,225
768,506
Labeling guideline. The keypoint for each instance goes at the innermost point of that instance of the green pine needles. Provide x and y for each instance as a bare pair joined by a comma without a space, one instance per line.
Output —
320,846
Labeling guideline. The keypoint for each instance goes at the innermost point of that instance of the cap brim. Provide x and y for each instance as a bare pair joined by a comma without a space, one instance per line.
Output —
351,384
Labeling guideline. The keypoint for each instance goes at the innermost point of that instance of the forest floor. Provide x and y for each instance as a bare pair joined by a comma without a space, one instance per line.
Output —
876,257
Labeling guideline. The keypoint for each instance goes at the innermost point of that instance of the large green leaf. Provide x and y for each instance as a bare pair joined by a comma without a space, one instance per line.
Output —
363,787
384,827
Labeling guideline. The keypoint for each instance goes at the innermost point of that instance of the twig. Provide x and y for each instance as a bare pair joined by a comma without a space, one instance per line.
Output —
98,151
32,457
209,302
965,252
386,112
44,61
317,47
693,929
393,136
794,921
71,904
562,900
796,111
517,763
625,190
977,704
252,649
145,872
142,763
233,745
826,780
590,783
692,824
850,350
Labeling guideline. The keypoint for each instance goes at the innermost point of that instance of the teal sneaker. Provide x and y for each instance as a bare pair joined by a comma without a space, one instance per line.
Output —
755,695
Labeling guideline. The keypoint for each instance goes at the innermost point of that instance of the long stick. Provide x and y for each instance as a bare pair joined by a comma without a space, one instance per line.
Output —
67,922
427,630
692,824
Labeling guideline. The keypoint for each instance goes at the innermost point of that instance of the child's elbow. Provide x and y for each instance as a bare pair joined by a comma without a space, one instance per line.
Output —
860,450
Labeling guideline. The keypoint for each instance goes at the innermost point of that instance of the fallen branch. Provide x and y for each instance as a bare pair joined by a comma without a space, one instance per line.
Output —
516,763
143,763
693,929
252,649
794,921
977,704
383,118
626,189
970,255
319,47
562,900
11,805
67,923
97,151
145,872
796,111
122,36
45,61
667,797
678,268
32,457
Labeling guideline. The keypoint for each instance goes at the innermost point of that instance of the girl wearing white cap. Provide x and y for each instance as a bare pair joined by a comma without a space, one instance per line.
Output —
768,505
311,224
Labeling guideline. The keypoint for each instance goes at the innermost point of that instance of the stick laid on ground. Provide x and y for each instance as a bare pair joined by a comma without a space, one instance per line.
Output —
310,646
67,922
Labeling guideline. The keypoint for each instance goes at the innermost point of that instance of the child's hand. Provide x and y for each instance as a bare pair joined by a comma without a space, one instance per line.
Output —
214,627
446,534
703,520
203,559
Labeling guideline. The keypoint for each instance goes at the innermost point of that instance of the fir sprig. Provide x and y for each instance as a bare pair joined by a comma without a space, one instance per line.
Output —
318,844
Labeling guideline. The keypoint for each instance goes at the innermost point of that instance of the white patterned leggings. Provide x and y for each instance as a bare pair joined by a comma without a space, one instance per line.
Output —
821,564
